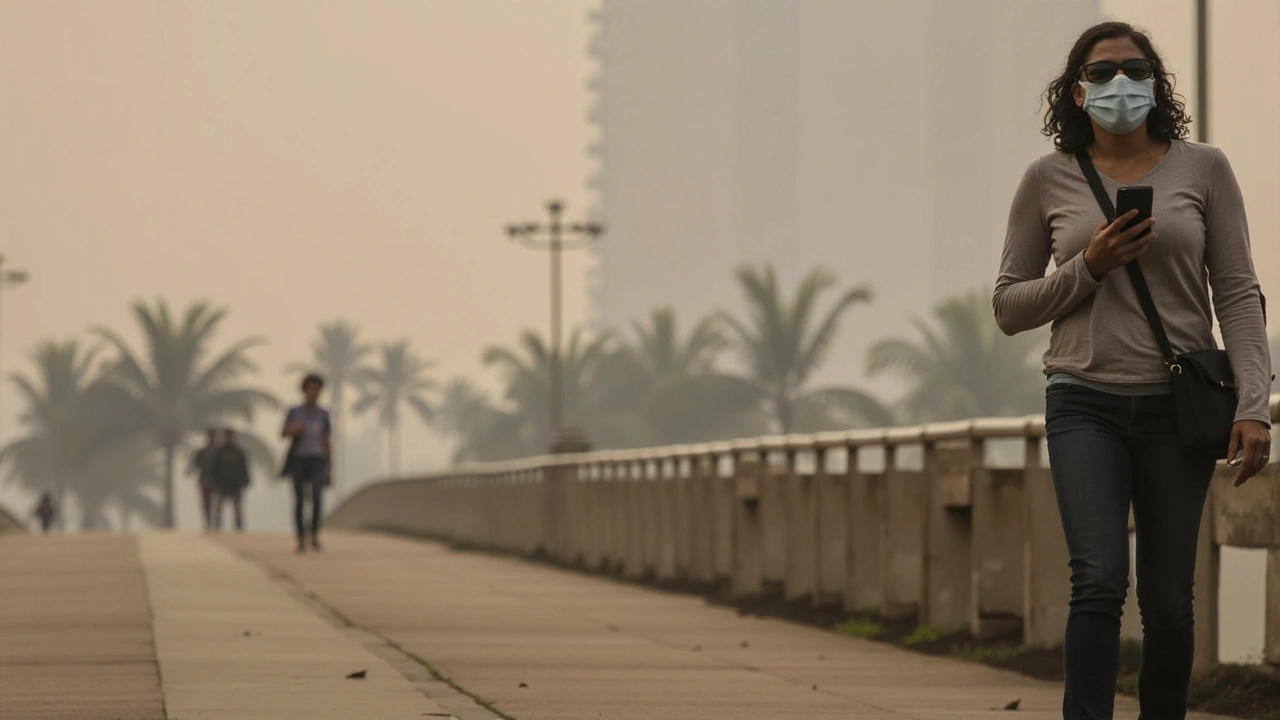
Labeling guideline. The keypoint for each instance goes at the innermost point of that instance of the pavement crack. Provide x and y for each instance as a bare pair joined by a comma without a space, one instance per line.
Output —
379,644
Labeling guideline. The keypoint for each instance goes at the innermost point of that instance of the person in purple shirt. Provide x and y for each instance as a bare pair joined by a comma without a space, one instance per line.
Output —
309,459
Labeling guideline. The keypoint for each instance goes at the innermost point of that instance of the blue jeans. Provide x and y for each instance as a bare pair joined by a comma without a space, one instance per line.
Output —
1106,451
309,474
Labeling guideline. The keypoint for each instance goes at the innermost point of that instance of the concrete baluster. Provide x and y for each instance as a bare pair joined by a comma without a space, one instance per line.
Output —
747,532
724,496
684,514
865,515
946,571
666,503
999,535
903,529
775,474
1048,577
829,506
801,520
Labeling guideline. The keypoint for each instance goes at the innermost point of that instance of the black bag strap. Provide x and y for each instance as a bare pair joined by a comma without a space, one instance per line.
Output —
1135,272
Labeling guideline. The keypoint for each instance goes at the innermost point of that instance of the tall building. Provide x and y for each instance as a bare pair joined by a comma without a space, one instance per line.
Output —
881,139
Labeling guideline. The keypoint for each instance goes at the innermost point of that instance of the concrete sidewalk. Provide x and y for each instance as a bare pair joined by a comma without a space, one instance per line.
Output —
233,644
543,644
181,627
176,627
75,633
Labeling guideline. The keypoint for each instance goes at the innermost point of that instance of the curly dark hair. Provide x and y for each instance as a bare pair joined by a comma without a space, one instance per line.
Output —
1069,125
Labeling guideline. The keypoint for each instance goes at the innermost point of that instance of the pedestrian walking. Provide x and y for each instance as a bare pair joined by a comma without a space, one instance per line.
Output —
308,460
45,512
1140,402
201,466
230,478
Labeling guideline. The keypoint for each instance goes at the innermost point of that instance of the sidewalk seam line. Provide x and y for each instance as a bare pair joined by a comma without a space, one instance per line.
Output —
317,603
151,618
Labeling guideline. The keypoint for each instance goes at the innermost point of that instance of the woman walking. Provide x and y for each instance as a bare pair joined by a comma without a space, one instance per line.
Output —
1110,411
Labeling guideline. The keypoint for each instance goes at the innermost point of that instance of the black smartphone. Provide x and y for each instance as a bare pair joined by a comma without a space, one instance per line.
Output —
1135,197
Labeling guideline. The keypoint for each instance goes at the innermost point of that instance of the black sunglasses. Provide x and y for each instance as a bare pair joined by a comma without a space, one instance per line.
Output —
1103,70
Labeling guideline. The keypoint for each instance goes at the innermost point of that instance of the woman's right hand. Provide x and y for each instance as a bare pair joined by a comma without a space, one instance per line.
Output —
1113,247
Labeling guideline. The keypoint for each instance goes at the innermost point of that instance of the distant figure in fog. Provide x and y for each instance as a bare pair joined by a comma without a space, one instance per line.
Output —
45,511
309,459
230,477
202,466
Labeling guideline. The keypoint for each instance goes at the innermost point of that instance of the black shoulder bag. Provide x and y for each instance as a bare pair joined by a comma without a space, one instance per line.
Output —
1204,390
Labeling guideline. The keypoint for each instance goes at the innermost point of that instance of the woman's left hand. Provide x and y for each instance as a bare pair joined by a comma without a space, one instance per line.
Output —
1250,448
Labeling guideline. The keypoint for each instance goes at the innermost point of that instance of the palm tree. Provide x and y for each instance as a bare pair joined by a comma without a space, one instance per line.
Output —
784,343
671,383
123,476
963,366
170,391
66,423
527,371
400,378
466,416
337,354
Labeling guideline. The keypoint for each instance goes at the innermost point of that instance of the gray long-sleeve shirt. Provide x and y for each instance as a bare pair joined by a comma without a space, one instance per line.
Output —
1099,332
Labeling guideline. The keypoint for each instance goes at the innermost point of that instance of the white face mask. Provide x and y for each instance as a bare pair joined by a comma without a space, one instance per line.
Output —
1120,104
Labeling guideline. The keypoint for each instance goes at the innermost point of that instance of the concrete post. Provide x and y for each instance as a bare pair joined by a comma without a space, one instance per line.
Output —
999,532
902,542
618,540
635,565
533,525
774,479
593,540
830,509
1047,571
703,519
552,510
865,513
602,509
514,494
652,517
802,526
947,569
685,517
667,503
702,508
724,495
747,571
574,521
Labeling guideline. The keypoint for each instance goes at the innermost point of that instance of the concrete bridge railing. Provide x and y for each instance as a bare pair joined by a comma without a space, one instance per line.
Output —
9,523
953,523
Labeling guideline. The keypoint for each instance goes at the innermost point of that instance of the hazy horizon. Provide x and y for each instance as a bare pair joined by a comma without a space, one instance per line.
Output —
304,161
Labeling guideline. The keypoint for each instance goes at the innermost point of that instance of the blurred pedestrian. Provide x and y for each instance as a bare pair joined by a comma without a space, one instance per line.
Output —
230,478
45,511
202,466
309,459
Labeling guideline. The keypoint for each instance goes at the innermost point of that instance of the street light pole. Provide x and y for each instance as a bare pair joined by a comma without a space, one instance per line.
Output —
8,279
1202,71
554,209
556,238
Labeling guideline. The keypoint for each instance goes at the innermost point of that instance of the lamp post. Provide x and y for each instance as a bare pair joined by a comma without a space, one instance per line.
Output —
9,279
557,237
1202,71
